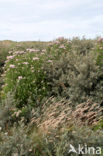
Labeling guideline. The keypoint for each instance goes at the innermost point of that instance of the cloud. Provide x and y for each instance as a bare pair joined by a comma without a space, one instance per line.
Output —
46,20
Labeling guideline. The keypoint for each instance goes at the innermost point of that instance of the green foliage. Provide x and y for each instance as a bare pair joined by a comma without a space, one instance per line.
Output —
25,77
7,107
58,47
17,142
99,52
98,126
6,46
66,69
58,143
72,73
83,46
55,66
83,77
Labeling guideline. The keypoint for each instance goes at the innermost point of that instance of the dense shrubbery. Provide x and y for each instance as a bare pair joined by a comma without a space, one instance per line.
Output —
66,72
71,72
25,77
83,46
99,52
20,141
6,46
58,71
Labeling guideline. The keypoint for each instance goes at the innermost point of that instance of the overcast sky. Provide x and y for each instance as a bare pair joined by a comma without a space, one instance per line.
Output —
49,19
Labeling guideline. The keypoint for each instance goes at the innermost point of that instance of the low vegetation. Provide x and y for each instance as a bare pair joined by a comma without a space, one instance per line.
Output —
51,97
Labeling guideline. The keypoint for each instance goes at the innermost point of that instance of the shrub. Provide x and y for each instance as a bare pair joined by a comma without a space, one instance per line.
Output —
55,66
62,71
20,141
58,47
82,46
17,142
25,77
7,107
82,78
57,143
99,52
73,75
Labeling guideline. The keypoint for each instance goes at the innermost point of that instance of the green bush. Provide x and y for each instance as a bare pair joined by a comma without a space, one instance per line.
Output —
82,46
7,107
58,47
6,46
84,79
99,52
23,75
55,66
62,71
20,140
57,142
73,75
17,142
30,78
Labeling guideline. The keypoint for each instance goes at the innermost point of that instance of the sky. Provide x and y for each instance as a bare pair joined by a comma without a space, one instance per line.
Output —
45,20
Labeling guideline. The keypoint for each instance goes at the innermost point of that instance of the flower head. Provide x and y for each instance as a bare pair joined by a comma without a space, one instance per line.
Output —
20,77
35,58
62,47
44,50
25,63
12,66
100,40
50,61
10,57
61,38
